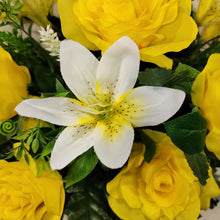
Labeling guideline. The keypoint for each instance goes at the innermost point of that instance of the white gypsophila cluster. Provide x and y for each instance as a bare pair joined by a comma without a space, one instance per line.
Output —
50,40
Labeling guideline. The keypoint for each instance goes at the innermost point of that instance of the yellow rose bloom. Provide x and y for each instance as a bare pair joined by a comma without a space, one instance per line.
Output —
206,94
23,196
157,27
38,10
164,189
13,84
208,16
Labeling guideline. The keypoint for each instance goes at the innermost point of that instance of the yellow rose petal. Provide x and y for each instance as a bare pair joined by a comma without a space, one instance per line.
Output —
129,189
69,24
11,90
206,95
213,141
124,211
209,191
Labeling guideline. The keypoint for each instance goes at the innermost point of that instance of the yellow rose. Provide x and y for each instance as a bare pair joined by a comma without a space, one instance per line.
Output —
38,10
164,189
157,27
13,84
208,16
205,94
23,196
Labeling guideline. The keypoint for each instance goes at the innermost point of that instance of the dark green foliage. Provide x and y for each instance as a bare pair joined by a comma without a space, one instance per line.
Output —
87,199
199,59
154,77
17,46
188,132
81,167
199,166
183,78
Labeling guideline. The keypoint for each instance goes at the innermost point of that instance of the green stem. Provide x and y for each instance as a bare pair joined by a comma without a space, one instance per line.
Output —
20,124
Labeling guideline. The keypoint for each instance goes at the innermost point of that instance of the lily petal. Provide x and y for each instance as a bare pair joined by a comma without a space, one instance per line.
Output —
57,110
72,142
151,105
78,68
113,141
118,68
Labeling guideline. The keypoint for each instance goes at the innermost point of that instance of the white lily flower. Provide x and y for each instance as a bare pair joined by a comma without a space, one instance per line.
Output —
107,108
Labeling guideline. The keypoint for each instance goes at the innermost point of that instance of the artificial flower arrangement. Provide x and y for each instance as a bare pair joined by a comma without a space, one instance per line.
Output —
113,114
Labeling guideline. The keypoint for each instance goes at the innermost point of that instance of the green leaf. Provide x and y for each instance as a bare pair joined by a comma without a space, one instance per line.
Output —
191,72
81,167
63,94
183,78
10,155
35,145
42,137
26,158
154,77
20,137
19,153
59,87
30,139
50,125
87,200
39,169
150,147
188,132
199,166
48,148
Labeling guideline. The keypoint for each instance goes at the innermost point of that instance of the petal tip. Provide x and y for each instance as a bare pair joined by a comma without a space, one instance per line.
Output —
20,108
127,41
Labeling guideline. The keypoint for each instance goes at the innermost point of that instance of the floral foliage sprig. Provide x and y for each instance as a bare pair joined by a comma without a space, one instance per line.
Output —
130,121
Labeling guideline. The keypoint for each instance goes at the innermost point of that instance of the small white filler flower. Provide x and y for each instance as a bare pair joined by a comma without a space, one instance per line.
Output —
50,40
107,108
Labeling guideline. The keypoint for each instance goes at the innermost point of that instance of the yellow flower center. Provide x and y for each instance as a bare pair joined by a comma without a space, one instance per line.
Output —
107,108
163,182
